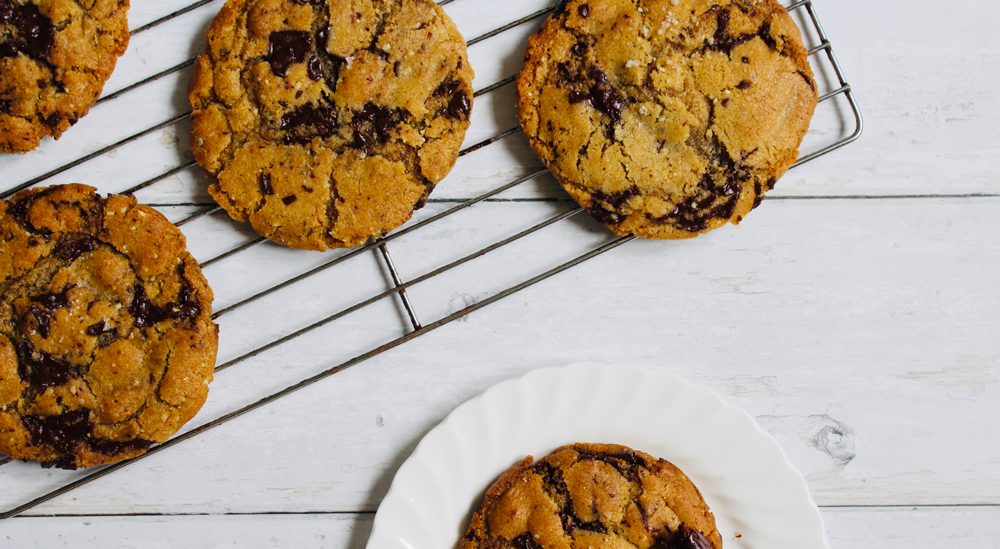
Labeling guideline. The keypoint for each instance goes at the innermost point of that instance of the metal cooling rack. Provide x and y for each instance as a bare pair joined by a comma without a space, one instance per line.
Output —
822,59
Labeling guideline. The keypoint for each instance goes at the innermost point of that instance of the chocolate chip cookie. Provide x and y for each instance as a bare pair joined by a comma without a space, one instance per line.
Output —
667,118
593,495
107,344
327,122
55,56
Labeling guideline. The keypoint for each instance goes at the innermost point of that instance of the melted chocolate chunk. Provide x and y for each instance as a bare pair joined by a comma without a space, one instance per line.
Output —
447,87
307,122
19,209
689,538
289,199
757,199
53,119
186,305
722,42
579,49
42,307
770,183
265,184
34,31
372,125
286,49
43,369
145,312
618,199
73,250
743,85
65,432
459,106
602,96
583,10
605,216
314,69
525,541
99,329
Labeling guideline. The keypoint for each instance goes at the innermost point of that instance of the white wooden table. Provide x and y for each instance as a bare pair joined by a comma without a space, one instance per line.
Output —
855,315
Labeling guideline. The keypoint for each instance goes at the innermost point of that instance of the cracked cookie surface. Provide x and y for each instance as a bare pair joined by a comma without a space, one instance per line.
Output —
328,122
107,344
55,56
596,496
667,118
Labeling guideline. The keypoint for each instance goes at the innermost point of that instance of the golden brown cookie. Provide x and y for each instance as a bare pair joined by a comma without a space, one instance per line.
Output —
593,496
327,122
55,56
107,344
667,118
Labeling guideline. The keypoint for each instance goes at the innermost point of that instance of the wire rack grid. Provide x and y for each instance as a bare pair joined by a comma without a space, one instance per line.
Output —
822,57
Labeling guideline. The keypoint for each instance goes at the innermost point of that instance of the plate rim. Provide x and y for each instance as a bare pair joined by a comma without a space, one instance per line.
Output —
379,525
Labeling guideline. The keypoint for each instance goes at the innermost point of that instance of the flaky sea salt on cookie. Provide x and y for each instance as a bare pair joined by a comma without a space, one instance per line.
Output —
593,495
107,343
327,122
667,118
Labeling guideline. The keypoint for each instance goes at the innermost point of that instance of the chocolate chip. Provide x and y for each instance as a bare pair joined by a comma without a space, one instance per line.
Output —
746,59
5,106
264,182
605,216
459,106
73,250
725,102
618,199
35,31
286,49
770,183
112,447
447,87
602,96
146,313
583,10
579,49
807,79
743,85
322,121
289,199
307,189
186,305
689,538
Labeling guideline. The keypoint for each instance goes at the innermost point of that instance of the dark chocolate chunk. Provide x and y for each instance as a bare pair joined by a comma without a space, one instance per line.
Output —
145,312
583,10
314,68
73,250
286,49
99,329
5,106
289,199
308,121
64,432
459,106
757,199
43,369
579,49
35,32
743,85
605,216
602,96
42,307
770,183
186,305
746,59
525,541
53,119
725,102
447,87
112,447
689,538
372,125
264,181
618,199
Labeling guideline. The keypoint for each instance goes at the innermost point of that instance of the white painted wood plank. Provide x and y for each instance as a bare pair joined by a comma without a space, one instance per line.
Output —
861,333
847,528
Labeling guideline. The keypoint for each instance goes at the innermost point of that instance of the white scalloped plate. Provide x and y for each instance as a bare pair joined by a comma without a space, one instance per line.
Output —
758,499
